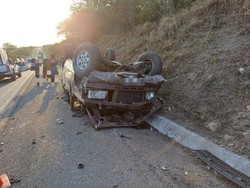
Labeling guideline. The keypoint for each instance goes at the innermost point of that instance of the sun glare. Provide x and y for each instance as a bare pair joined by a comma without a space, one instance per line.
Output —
32,22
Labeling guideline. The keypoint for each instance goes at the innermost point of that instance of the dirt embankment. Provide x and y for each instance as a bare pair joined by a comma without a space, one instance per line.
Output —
206,55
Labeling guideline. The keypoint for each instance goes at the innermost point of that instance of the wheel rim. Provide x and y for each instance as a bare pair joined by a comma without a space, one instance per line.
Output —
147,67
82,60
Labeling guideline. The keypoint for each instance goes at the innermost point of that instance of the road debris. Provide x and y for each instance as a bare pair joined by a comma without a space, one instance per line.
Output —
59,121
14,180
122,136
242,70
34,141
164,168
80,166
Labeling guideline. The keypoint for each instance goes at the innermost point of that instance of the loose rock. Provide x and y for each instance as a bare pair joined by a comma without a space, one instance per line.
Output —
248,107
214,125
242,70
227,137
164,168
247,136
59,121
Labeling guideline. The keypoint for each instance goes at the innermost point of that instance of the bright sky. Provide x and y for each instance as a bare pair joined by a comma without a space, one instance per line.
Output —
31,22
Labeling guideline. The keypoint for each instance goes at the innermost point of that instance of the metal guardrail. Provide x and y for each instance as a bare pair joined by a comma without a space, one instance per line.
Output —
230,165
223,168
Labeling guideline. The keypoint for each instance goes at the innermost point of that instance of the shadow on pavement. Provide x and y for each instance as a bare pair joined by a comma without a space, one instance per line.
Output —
5,81
20,101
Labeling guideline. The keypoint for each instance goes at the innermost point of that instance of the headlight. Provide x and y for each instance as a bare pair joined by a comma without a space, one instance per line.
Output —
150,95
94,94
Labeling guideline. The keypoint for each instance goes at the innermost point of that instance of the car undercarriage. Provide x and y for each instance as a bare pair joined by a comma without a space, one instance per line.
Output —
113,94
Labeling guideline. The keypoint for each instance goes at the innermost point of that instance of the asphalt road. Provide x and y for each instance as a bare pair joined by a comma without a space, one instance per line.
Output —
42,145
9,89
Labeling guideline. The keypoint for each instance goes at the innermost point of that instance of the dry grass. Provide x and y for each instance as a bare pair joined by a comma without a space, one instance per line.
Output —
197,15
202,48
194,26
145,29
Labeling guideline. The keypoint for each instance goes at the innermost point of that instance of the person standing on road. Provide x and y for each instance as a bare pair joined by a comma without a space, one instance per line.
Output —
53,68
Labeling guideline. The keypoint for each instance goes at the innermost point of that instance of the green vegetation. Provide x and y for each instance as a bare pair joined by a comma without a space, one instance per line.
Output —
91,19
23,52
15,52
153,21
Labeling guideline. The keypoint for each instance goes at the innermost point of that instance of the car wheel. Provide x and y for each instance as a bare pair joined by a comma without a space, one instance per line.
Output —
87,57
13,76
153,64
110,54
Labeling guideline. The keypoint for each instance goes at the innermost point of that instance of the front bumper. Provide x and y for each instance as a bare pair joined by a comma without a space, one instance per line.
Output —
119,99
109,114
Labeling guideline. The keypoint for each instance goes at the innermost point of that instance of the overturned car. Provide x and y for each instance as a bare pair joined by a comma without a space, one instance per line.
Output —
113,94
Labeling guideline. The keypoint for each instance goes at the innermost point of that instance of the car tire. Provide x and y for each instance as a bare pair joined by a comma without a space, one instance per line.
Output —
86,58
110,54
13,76
153,63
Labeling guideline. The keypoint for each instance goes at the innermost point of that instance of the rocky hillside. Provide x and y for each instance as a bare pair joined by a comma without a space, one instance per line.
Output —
206,55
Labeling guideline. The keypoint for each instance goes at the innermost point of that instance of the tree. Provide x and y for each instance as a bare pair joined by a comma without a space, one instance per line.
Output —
82,25
92,18
9,46
10,49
